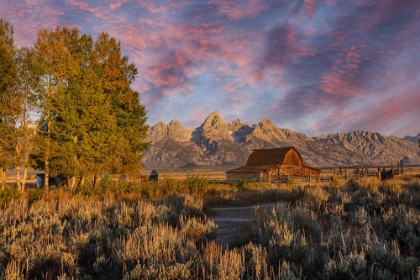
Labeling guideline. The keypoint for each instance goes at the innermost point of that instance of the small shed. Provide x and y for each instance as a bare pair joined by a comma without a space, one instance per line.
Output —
148,175
272,164
56,181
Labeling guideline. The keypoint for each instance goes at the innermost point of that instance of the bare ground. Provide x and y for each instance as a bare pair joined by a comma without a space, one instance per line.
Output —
231,219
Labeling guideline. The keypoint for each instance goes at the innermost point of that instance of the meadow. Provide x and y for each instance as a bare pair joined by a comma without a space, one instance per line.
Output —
357,229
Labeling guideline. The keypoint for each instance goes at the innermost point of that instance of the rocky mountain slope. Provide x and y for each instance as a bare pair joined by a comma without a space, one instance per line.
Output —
379,148
413,139
216,142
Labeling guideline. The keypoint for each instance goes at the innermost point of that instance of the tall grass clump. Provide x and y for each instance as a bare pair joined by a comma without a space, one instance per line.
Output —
367,229
101,237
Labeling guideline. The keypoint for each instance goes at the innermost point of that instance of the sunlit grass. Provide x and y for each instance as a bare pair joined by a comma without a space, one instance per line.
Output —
361,229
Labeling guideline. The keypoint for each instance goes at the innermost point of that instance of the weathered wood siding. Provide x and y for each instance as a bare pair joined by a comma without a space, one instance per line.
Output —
292,158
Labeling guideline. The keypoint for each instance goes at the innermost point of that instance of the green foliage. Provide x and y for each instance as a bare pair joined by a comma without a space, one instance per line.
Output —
86,189
169,186
242,185
291,183
35,195
9,194
91,120
9,100
245,185
196,184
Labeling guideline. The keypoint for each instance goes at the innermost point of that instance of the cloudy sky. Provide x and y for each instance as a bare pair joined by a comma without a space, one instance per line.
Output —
312,66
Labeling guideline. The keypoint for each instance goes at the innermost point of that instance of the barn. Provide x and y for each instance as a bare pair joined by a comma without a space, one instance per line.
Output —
271,165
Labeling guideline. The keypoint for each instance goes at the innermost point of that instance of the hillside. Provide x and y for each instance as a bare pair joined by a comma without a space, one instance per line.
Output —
216,142
413,139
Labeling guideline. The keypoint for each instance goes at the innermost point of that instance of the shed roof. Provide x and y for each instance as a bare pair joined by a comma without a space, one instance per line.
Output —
148,172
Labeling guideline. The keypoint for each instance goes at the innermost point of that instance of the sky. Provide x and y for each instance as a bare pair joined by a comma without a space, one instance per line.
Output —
313,66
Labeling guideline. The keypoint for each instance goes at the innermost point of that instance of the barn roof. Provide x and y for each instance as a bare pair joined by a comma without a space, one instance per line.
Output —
261,160
260,157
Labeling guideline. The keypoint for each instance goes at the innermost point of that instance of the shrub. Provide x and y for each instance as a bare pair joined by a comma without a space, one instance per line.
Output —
196,184
197,230
9,194
86,189
35,195
106,185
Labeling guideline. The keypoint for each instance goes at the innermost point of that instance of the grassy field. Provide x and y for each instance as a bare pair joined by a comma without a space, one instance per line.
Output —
360,229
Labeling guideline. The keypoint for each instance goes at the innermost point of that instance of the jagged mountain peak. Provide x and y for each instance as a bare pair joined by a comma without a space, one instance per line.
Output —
178,132
157,132
236,125
214,120
212,130
376,146
266,123
216,142
174,130
264,129
356,137
159,125
174,123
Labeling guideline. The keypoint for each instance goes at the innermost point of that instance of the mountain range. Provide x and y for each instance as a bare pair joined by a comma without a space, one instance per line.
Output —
216,142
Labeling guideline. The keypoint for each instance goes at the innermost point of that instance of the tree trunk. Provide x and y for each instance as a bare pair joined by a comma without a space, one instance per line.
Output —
73,182
25,170
47,157
18,177
25,174
3,178
46,180
81,181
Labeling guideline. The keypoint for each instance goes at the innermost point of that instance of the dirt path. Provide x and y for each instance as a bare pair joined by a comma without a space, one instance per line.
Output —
231,219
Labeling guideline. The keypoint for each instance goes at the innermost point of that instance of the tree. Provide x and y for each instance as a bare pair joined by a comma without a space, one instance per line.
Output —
24,99
8,107
419,141
87,108
117,75
49,80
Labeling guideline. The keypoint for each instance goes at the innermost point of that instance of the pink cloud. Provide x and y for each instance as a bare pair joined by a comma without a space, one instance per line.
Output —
29,18
152,7
83,6
239,52
237,10
341,79
116,4
309,7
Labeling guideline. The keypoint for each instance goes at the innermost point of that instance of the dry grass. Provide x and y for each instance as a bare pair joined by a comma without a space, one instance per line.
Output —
365,229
